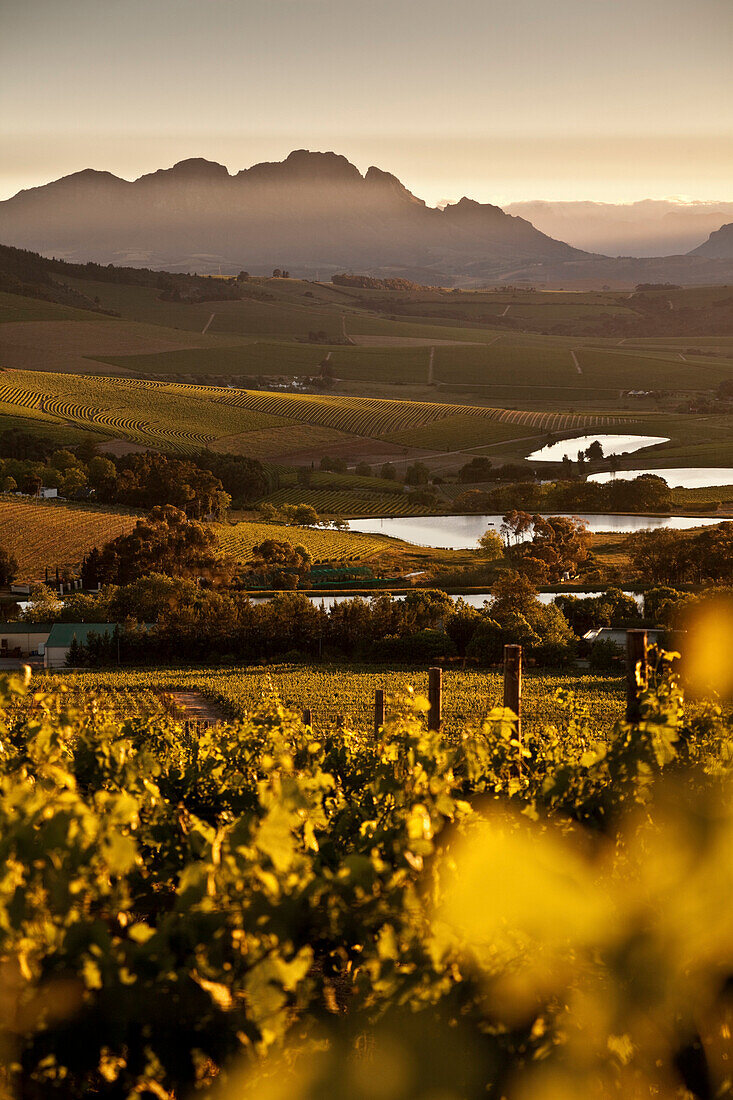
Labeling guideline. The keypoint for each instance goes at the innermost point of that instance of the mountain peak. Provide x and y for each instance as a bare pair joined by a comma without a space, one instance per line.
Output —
194,168
304,165
470,208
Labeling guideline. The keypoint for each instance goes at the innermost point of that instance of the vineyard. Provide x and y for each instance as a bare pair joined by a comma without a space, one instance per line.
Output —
347,502
185,418
265,909
324,546
40,533
51,533
335,694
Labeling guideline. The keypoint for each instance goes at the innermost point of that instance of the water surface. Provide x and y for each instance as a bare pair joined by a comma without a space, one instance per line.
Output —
689,478
612,445
462,532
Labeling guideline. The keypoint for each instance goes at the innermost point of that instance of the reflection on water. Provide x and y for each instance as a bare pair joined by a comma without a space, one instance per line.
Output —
473,599
612,445
690,478
463,532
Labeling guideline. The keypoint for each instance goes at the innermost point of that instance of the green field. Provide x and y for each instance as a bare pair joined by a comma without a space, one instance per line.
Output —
184,418
331,692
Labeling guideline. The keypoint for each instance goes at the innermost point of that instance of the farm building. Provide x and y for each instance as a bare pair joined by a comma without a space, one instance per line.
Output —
63,634
617,636
23,640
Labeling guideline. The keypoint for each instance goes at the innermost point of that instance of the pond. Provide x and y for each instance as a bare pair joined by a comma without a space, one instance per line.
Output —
612,445
473,599
462,532
684,478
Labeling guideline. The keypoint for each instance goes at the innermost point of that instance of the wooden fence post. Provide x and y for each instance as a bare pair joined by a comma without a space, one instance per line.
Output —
378,710
435,698
513,682
307,717
636,669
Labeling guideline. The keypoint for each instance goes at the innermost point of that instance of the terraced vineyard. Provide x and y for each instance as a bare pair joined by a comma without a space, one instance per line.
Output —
185,418
334,692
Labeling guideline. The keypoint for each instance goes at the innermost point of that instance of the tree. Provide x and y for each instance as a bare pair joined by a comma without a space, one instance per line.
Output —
102,474
8,566
417,474
491,545
282,561
594,453
478,469
165,541
516,525
559,545
363,469
388,472
10,485
43,606
75,480
64,460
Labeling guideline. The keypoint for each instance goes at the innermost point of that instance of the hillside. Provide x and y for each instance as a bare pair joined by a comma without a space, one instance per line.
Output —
652,227
312,212
719,244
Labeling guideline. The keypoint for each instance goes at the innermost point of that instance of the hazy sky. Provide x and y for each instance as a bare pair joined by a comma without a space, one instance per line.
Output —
502,100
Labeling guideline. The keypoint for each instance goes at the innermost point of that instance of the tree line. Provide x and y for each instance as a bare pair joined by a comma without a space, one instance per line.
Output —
202,485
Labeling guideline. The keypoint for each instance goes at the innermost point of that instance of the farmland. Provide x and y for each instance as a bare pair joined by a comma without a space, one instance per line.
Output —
59,533
183,418
348,692
46,533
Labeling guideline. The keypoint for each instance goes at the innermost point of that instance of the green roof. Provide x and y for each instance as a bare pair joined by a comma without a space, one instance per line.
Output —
63,634
25,628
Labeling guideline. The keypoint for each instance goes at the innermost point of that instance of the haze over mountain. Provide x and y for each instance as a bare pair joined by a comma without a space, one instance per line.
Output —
652,227
719,245
313,214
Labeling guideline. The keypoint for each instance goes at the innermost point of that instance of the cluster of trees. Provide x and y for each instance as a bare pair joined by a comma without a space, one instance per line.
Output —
481,469
647,493
299,515
165,541
199,623
678,557
202,485
559,546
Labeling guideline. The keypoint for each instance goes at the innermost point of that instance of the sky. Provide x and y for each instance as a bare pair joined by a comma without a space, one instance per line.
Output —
609,100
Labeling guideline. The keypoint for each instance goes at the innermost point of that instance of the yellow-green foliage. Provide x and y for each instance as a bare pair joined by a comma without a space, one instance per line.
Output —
348,692
260,911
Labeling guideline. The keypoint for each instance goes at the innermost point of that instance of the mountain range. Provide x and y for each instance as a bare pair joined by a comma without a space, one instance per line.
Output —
313,214
653,227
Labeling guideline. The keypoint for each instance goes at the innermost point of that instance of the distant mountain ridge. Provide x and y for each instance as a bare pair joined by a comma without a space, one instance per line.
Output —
313,214
719,245
652,227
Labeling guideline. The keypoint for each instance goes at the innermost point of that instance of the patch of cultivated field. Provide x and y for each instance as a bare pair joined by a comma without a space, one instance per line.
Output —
75,345
40,533
238,539
348,692
189,417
